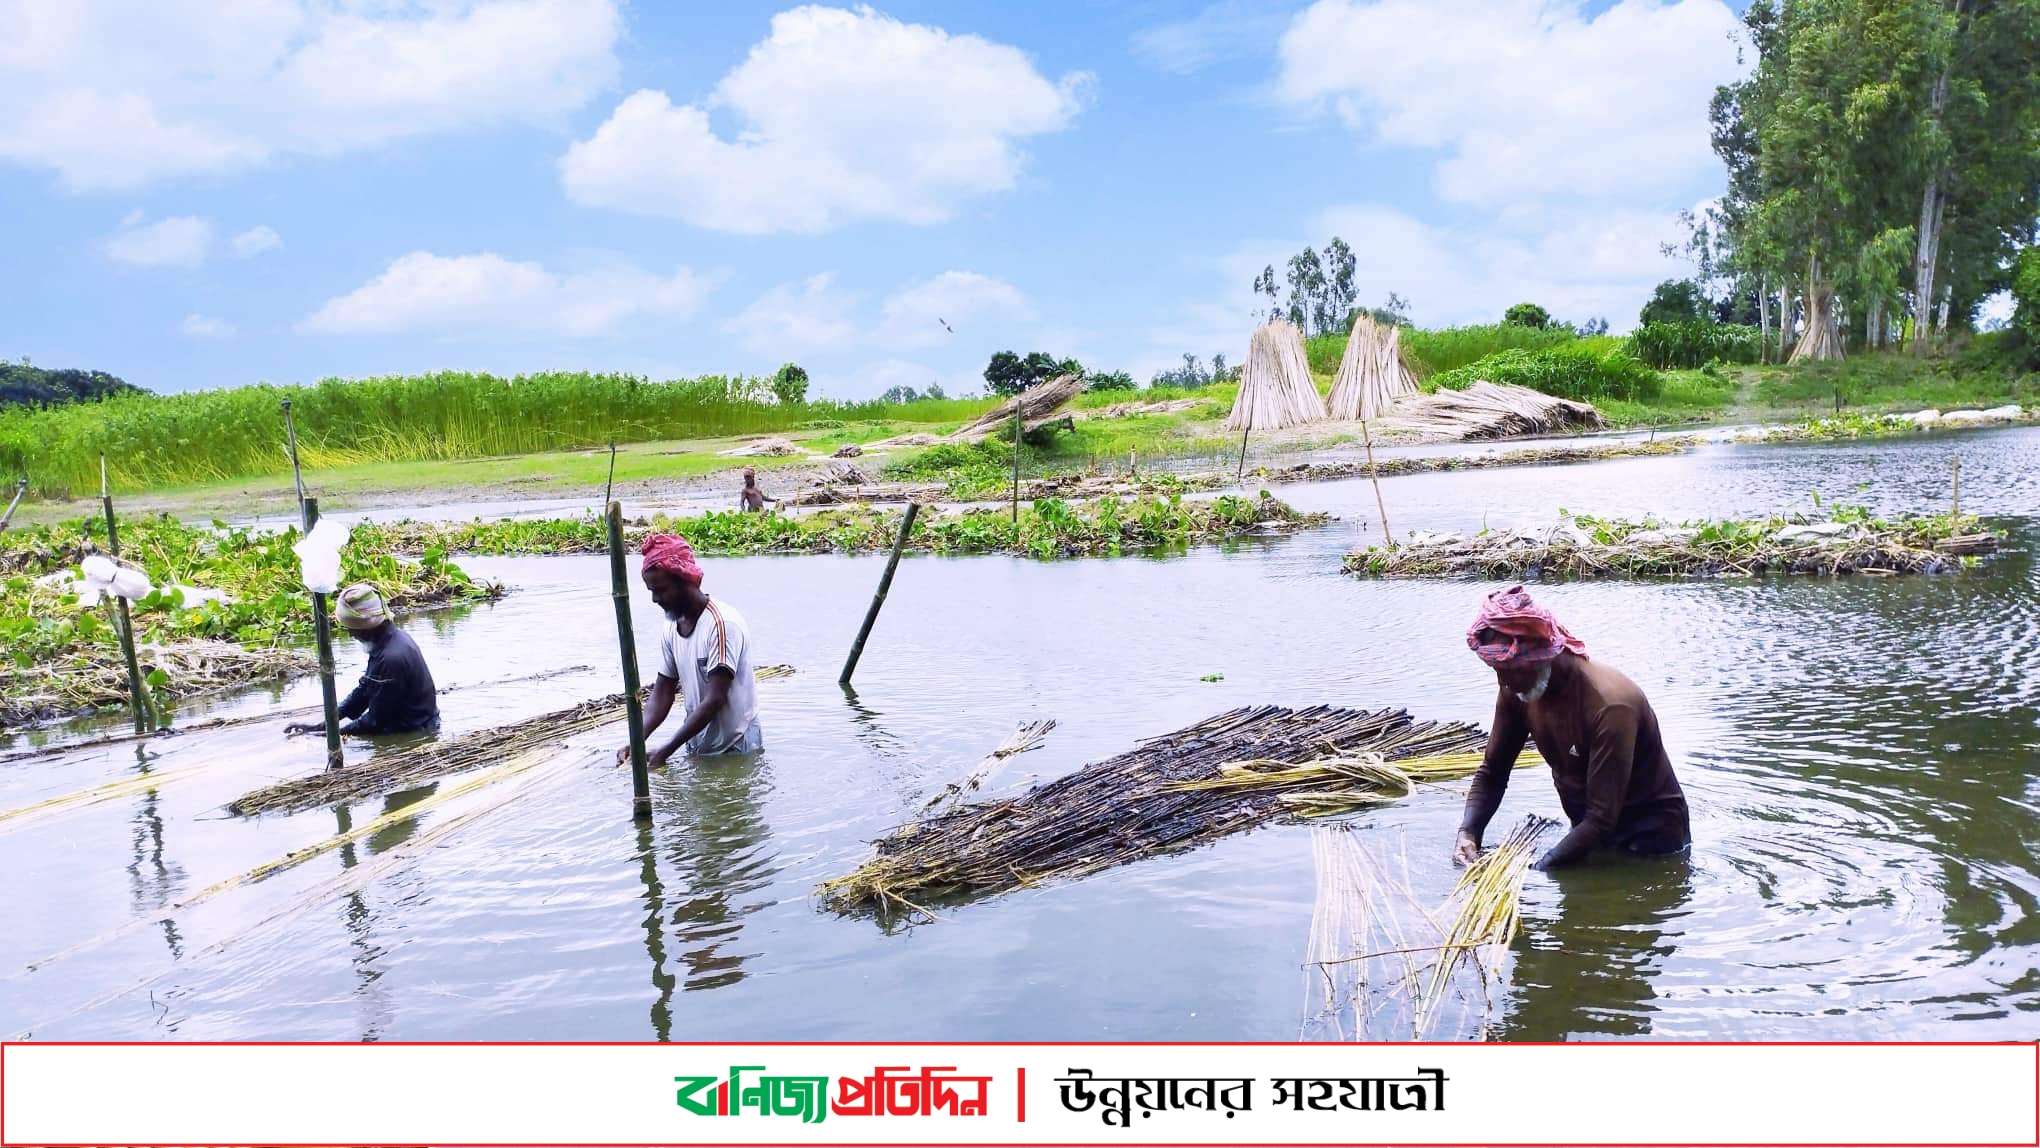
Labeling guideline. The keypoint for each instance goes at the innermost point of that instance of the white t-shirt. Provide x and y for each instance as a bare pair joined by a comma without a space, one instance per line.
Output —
719,640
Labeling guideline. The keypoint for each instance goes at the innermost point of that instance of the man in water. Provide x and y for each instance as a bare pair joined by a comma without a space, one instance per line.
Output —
750,498
395,694
706,659
1592,726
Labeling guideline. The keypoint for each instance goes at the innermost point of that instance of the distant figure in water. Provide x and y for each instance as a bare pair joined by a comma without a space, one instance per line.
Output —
1592,725
750,498
395,694
705,659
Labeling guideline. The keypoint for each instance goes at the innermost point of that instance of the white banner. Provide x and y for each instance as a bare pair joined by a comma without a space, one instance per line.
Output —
1013,1094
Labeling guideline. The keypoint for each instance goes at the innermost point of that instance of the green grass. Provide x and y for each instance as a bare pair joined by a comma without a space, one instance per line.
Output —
1585,370
154,441
1686,397
1893,381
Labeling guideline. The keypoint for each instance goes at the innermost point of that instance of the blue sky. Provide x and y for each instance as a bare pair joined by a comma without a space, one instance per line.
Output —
213,194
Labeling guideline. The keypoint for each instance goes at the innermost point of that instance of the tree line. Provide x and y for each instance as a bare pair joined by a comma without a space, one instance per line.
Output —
1883,163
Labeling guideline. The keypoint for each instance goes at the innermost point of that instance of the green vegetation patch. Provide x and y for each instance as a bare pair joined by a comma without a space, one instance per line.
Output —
62,657
1578,370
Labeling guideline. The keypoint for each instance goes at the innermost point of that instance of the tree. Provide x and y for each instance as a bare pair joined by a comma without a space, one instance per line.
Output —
1109,381
790,385
1306,290
1675,301
1264,286
899,394
1008,374
1592,327
24,384
1340,267
934,391
1189,376
1527,315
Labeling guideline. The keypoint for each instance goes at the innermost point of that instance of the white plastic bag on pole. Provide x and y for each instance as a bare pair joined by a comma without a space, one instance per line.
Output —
102,578
319,556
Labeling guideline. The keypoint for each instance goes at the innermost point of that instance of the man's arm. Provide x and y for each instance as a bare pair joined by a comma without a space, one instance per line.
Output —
664,689
715,695
1507,735
355,704
1609,761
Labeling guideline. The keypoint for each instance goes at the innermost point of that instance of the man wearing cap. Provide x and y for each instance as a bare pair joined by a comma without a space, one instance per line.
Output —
705,658
1592,725
395,694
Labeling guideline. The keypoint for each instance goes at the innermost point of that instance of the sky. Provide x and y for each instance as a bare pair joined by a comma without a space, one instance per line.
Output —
212,193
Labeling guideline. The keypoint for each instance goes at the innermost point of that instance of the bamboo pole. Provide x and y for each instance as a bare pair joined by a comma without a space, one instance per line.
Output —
610,486
322,631
20,488
1955,498
626,641
136,697
1241,474
1366,436
1016,475
878,599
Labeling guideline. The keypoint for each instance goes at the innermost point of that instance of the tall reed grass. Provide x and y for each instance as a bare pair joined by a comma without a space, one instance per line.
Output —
218,435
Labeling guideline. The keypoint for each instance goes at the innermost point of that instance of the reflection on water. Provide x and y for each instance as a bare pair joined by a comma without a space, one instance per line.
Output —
1858,755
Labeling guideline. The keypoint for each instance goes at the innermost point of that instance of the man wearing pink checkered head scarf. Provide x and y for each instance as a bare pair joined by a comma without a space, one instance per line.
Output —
1592,726
705,660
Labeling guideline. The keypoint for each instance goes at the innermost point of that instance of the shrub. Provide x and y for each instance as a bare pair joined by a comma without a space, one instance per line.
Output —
1674,301
1580,373
1527,315
1690,344
1450,347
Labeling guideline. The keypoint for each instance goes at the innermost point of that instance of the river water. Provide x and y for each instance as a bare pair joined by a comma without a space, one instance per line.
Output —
1859,755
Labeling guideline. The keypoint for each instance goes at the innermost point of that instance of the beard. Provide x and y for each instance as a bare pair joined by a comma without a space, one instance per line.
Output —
1536,691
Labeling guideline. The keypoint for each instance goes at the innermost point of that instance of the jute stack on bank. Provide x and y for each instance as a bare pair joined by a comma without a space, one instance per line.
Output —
1276,390
1037,405
1372,374
1218,777
1493,410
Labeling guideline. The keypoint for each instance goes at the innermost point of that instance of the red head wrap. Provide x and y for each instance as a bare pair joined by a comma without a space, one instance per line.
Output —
1529,633
671,553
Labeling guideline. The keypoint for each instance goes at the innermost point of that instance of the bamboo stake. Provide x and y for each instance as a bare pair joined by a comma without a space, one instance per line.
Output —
1367,437
20,488
1241,474
626,640
1956,497
322,631
1016,470
610,486
878,599
136,697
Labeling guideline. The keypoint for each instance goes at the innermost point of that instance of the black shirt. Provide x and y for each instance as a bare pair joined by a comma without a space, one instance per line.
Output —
396,694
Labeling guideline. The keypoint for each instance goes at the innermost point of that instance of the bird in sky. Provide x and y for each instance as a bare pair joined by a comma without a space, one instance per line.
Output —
945,324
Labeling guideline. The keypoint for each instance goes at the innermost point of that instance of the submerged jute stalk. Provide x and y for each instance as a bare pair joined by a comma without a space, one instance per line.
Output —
1171,793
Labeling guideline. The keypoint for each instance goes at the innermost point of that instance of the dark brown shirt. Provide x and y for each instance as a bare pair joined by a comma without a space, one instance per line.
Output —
1598,734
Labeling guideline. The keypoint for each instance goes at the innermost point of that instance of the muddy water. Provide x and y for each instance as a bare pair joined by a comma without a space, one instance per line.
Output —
1859,755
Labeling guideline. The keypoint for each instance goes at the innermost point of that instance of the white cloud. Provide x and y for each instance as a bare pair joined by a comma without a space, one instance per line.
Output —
206,327
255,241
486,292
916,316
180,241
1525,97
841,116
1229,29
113,95
794,318
1582,265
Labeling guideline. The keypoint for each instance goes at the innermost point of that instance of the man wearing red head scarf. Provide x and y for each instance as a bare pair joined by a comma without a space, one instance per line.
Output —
1592,725
705,658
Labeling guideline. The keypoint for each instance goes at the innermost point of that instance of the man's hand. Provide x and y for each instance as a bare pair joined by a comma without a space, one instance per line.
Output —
623,755
1466,850
657,758
298,727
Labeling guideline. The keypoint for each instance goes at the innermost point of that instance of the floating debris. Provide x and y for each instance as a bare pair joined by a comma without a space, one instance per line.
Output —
1851,542
1145,803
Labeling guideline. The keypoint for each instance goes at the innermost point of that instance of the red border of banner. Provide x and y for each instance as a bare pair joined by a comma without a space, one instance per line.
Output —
2034,1048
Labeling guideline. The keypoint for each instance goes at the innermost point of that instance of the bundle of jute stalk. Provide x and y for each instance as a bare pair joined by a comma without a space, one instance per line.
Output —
1489,899
1147,802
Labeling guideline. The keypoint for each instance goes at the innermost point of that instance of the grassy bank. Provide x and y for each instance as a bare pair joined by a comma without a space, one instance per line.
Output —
1048,528
63,657
212,436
